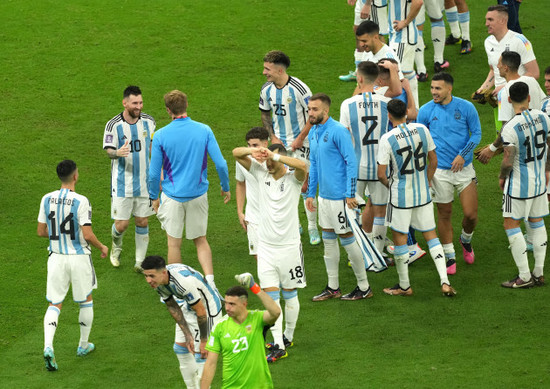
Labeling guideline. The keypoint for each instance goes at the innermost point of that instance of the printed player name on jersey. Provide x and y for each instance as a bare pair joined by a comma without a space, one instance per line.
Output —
55,200
402,135
368,104
525,126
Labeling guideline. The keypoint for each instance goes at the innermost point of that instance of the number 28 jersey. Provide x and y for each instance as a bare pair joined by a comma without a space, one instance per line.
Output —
64,212
405,149
129,174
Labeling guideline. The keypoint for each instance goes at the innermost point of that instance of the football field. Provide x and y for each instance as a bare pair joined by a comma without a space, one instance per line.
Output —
64,66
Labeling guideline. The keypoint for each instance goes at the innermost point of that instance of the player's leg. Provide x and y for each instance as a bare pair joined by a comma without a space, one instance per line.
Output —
438,33
171,215
519,253
358,52
292,311
451,11
121,212
539,208
464,20
426,220
277,349
187,362
443,196
292,277
84,281
314,238
85,319
142,211
355,255
401,254
468,199
422,73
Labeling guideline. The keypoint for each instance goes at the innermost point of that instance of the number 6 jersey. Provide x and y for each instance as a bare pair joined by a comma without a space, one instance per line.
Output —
64,212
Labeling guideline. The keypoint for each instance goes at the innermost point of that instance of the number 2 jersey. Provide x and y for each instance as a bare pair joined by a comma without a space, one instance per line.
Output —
405,149
243,351
64,212
366,116
129,174
528,133
288,107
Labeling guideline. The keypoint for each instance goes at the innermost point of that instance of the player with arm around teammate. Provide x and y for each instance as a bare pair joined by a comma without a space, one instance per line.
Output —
194,305
127,141
523,174
280,257
409,151
239,338
65,218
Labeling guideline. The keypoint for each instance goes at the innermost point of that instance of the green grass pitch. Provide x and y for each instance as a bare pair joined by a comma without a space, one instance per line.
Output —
63,68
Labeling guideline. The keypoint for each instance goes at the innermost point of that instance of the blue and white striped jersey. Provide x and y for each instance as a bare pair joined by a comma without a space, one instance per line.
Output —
288,107
129,174
528,133
405,150
546,105
64,212
366,116
187,284
399,10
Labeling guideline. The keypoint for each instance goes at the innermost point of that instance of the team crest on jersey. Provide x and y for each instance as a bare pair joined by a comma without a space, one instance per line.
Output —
457,114
325,138
144,133
248,328
282,187
289,100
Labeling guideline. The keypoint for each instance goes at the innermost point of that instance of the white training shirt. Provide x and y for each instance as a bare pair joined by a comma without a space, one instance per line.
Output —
252,211
385,52
505,109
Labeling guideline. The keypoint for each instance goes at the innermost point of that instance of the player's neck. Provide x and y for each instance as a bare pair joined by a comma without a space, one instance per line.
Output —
366,88
280,172
519,108
281,82
129,119
69,186
512,76
501,34
241,318
377,47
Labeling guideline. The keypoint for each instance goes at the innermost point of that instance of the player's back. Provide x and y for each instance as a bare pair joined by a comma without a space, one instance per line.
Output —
64,212
528,132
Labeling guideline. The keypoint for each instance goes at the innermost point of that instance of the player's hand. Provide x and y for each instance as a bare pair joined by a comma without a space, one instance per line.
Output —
497,89
351,202
258,154
104,251
202,349
245,279
297,144
189,342
501,182
226,196
155,204
485,155
124,151
457,164
309,204
365,11
398,25
352,2
243,222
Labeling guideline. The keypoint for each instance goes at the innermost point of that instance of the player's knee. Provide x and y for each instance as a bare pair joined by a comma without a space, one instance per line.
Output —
274,294
347,240
289,294
329,235
179,349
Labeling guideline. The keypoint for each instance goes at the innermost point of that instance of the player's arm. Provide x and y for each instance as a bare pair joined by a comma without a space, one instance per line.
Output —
122,152
432,165
532,69
155,167
395,86
209,370
267,122
412,112
177,314
509,153
240,196
489,81
90,237
398,25
299,141
345,146
299,165
202,321
382,175
365,9
42,230
215,154
241,155
272,309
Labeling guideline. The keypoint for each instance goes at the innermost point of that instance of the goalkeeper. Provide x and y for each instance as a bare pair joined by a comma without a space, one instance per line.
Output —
239,339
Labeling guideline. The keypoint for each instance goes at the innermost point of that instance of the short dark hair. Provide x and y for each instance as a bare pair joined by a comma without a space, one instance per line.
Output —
65,170
237,291
369,70
547,70
131,90
278,58
498,8
279,148
367,27
443,76
519,92
257,133
153,262
321,96
397,108
382,69
511,59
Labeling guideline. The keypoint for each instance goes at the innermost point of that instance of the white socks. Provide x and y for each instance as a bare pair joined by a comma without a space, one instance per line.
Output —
85,318
50,325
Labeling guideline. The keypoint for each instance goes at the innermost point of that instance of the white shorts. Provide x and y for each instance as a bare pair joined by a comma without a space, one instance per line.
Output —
191,319
174,215
434,9
518,209
420,218
377,192
405,53
302,154
445,182
378,15
75,270
122,208
252,233
281,266
332,215
421,17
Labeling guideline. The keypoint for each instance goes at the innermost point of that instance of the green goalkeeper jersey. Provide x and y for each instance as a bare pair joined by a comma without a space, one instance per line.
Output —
242,350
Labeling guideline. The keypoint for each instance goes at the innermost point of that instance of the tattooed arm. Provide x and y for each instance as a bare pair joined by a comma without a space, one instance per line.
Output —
177,314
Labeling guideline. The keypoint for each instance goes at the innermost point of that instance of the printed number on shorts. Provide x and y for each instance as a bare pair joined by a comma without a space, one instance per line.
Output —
297,272
66,226
240,344
197,335
370,130
419,159
539,143
280,109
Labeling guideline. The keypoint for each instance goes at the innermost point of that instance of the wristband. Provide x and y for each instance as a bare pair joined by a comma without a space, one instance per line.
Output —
276,157
255,288
492,147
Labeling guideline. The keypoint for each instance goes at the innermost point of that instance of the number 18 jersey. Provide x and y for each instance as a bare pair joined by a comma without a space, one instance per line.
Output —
64,212
405,149
366,116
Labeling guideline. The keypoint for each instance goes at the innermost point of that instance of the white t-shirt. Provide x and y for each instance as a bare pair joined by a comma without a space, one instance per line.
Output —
252,212
505,109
